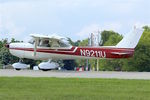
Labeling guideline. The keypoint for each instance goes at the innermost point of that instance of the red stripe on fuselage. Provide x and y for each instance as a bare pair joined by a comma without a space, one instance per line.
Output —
101,52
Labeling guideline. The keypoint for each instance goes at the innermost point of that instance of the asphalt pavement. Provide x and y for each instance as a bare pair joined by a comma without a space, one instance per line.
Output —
74,74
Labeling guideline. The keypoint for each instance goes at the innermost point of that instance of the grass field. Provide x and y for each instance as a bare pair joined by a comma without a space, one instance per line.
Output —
20,88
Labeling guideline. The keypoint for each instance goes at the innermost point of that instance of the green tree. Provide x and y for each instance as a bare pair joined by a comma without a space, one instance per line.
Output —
70,41
139,62
110,38
5,56
141,59
69,64
84,42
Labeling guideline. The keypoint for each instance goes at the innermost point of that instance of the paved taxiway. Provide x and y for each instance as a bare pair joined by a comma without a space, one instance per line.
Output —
74,74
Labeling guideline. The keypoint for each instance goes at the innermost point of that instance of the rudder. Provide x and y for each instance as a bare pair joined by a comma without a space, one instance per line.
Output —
131,39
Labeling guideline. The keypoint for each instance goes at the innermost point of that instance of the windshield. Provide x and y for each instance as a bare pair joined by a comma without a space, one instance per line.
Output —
31,41
64,43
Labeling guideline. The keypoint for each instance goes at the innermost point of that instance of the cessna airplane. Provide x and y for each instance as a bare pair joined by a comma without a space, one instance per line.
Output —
43,47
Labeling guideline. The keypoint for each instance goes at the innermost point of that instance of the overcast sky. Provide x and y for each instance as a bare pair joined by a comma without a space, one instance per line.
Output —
70,18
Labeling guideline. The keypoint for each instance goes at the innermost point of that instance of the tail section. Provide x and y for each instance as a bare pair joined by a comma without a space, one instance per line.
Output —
131,39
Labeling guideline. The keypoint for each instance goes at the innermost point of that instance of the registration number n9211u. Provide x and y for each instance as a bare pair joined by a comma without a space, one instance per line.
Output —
93,53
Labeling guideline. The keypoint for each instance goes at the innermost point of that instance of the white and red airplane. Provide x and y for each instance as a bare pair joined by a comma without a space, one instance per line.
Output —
43,47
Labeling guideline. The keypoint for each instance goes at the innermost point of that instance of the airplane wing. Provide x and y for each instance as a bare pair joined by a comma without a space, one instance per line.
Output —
53,37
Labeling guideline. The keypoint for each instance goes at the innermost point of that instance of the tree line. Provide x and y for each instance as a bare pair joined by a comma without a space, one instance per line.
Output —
139,62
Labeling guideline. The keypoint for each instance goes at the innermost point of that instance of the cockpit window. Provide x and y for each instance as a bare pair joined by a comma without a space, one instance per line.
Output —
55,43
31,41
64,43
44,43
51,43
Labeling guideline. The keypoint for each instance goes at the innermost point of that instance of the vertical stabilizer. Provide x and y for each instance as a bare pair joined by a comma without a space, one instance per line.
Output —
131,39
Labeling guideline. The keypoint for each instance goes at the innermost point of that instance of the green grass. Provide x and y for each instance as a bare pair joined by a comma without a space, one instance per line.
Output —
21,88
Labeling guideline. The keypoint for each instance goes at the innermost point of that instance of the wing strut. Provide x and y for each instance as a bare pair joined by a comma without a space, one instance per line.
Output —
35,45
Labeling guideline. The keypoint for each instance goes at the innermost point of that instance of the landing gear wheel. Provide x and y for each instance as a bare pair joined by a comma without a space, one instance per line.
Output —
18,69
45,69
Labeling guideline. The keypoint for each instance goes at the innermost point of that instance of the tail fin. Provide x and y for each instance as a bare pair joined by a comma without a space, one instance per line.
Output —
131,39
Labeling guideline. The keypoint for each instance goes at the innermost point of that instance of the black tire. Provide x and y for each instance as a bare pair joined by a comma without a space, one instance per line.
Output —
45,69
18,69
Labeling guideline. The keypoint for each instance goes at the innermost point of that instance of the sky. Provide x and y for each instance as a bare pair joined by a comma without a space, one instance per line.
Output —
70,18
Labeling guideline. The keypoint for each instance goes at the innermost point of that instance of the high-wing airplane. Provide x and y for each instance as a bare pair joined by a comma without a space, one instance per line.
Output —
43,47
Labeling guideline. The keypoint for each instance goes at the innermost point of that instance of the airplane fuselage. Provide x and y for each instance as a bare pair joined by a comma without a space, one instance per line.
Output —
47,47
26,50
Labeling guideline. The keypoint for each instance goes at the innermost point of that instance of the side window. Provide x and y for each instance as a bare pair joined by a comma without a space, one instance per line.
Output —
59,43
55,44
44,43
62,44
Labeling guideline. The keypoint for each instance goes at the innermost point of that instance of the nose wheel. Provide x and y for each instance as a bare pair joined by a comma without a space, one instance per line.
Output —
17,69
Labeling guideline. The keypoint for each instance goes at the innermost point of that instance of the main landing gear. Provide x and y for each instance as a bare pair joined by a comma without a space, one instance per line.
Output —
49,65
45,66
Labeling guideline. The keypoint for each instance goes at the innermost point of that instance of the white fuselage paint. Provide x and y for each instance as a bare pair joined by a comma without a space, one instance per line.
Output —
40,55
